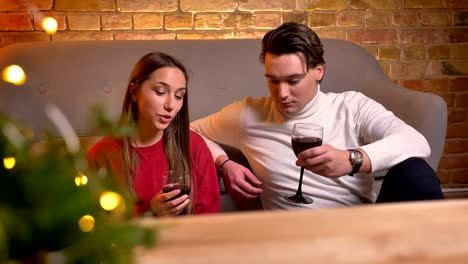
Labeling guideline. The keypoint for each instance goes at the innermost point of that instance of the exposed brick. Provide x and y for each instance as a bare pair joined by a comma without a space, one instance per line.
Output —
459,52
444,176
137,35
330,33
410,69
433,18
12,21
389,53
376,4
326,5
455,67
204,35
147,21
459,84
60,18
266,20
266,5
424,36
449,98
456,115
116,21
77,35
349,19
17,37
460,176
416,85
238,20
299,17
414,52
374,36
460,19
439,52
146,6
85,5
457,4
376,19
208,21
385,68
321,20
459,161
405,19
374,51
423,4
16,5
178,21
437,85
257,34
208,5
84,21
458,35
458,130
462,100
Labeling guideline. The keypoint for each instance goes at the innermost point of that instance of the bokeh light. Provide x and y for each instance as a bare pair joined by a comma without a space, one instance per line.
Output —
49,24
110,200
14,74
9,162
81,179
86,223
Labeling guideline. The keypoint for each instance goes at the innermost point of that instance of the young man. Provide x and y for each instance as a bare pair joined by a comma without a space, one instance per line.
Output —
360,136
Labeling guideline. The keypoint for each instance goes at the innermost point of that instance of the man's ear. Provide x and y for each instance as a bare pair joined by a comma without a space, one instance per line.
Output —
319,71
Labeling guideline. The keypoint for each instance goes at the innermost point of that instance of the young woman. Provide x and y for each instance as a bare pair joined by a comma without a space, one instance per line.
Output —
156,103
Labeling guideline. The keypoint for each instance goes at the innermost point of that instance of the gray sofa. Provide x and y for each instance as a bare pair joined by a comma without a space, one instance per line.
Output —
76,75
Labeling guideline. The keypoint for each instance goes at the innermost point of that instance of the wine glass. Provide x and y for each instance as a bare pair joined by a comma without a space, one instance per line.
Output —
173,180
304,136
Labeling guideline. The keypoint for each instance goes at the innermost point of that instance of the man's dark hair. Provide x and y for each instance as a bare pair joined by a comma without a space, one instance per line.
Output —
292,37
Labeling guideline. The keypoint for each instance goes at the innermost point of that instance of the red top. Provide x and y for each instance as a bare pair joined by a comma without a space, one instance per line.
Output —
153,162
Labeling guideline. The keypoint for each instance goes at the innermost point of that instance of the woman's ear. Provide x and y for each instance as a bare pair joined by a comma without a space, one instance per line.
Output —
133,92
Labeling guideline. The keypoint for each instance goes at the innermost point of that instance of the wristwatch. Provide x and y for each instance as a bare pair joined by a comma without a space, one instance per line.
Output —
356,158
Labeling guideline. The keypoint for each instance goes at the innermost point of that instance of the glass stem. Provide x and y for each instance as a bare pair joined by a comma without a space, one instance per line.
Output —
299,188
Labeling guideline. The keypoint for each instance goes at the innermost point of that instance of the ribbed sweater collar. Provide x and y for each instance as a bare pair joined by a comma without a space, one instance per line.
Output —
311,108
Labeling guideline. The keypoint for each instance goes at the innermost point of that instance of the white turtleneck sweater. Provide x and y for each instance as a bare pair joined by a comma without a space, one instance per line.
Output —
349,119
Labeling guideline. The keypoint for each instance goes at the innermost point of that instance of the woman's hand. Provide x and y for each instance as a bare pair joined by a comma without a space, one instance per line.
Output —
161,205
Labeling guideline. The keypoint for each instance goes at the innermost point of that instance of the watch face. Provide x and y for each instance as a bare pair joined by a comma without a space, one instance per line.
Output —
356,157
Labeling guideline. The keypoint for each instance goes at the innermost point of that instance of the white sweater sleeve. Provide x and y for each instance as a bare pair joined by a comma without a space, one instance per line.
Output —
393,141
222,127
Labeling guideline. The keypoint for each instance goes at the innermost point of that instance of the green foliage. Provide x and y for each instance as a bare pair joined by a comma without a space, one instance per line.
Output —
41,205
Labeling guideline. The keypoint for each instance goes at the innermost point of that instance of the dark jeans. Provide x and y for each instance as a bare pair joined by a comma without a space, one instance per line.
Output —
410,180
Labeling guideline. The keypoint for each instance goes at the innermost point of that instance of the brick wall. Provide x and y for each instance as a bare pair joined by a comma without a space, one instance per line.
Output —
421,44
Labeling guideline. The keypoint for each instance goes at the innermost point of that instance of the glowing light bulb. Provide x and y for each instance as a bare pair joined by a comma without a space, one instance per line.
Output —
86,223
50,25
110,200
14,74
81,179
9,162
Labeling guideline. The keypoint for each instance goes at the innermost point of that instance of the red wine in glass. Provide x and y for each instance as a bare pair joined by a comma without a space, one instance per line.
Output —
304,136
184,189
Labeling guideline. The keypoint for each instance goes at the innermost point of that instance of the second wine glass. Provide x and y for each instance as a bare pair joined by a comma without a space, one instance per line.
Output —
304,136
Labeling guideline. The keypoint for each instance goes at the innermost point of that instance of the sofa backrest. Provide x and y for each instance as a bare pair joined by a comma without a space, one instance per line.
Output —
76,75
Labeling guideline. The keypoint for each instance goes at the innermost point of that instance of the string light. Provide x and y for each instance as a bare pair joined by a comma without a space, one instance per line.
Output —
50,25
9,162
81,179
14,74
110,200
86,223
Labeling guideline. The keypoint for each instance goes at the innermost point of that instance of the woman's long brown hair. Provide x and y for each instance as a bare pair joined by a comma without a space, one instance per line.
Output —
176,135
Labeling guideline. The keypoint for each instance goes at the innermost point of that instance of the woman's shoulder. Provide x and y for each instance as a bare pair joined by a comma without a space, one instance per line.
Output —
105,144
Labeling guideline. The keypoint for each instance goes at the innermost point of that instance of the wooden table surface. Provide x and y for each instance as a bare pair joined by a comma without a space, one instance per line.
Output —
416,232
